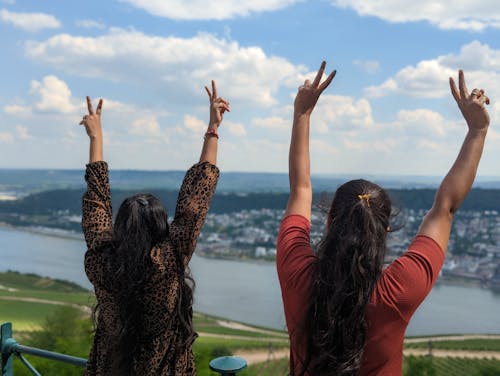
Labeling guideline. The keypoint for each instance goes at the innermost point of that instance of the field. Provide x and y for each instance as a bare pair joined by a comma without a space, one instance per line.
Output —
28,300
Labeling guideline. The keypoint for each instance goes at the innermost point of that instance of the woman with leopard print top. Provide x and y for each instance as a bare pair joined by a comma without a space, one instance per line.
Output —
138,265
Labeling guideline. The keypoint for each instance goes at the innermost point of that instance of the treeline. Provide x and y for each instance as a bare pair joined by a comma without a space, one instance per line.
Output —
50,202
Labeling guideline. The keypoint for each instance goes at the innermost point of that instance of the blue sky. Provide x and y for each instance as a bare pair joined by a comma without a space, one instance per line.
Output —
388,111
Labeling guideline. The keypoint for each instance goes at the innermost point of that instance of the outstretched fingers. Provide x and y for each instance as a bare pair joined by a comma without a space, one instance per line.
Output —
328,81
212,95
454,90
99,107
321,70
89,106
464,93
209,93
214,90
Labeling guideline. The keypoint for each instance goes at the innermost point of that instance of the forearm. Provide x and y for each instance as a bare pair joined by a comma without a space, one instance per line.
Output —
458,182
299,164
97,212
209,149
96,149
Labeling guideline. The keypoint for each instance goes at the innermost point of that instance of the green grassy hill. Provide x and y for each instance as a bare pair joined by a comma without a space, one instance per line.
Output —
55,315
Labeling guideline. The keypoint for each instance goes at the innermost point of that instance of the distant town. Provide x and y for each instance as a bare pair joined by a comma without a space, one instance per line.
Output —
243,224
473,252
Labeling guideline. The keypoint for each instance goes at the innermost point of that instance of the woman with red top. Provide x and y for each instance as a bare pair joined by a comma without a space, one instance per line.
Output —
138,265
345,314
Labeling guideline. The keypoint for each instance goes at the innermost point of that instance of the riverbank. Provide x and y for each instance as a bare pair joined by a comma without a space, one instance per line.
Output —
248,292
65,234
47,231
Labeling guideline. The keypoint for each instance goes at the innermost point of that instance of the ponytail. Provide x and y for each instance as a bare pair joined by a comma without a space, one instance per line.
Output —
350,261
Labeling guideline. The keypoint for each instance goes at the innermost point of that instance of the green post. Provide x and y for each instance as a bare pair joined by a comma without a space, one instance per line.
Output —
5,349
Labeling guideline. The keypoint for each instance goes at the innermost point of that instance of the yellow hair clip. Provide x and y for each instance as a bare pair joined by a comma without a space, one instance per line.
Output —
366,197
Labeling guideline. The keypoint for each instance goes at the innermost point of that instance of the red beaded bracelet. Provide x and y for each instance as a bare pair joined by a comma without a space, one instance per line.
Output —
210,133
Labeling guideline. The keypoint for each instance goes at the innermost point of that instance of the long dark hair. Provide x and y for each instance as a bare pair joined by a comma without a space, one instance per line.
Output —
140,225
350,261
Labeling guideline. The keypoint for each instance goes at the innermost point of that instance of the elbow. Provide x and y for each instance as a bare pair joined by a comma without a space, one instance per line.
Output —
301,188
445,208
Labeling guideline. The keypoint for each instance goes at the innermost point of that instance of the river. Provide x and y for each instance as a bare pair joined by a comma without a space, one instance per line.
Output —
247,291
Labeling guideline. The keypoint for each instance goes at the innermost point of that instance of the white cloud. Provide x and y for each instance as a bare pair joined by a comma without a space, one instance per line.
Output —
428,144
201,10
54,95
17,110
385,145
236,129
90,24
145,126
429,78
30,21
6,138
341,113
176,66
276,123
332,113
458,14
194,125
369,66
321,146
422,122
23,133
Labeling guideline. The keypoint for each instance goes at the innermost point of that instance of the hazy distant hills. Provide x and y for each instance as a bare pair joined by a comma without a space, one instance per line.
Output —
47,202
28,181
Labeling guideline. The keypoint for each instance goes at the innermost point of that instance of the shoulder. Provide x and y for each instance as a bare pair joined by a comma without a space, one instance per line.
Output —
405,283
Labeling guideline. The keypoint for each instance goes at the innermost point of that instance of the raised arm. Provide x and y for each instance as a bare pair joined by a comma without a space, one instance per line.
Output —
299,165
199,184
92,123
457,183
96,203
217,108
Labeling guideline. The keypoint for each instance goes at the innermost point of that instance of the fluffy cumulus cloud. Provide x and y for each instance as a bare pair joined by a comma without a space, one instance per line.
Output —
459,14
201,10
422,123
17,110
176,65
236,129
429,78
333,113
29,21
145,126
341,113
53,95
194,125
272,123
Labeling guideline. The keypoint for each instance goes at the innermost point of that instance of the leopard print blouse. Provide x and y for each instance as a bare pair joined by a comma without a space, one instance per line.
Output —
160,328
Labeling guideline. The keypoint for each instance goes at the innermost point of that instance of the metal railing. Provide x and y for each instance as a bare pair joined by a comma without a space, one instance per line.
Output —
9,348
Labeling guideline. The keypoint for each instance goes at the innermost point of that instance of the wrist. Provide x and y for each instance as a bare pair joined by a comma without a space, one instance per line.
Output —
95,134
211,133
95,137
301,115
213,125
478,132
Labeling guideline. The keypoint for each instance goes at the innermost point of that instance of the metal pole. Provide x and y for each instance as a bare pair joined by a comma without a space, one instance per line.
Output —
5,347
10,348
50,355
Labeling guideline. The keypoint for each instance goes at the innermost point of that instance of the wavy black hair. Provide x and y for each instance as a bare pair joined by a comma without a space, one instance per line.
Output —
349,264
140,225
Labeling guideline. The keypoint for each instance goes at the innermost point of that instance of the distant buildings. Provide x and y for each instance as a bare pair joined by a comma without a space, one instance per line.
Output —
473,252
